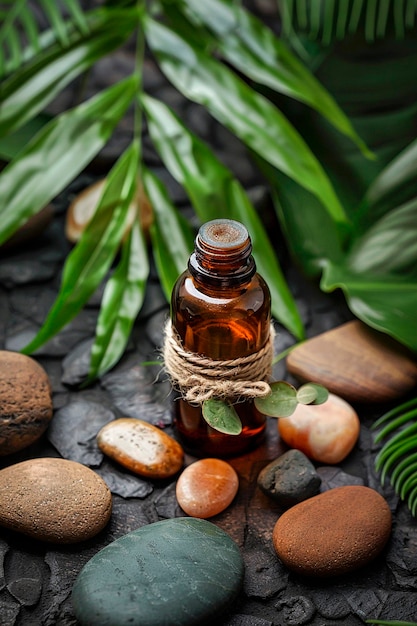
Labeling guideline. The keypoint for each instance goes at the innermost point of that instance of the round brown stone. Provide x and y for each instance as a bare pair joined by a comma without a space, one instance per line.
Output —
25,401
141,447
207,487
333,533
53,500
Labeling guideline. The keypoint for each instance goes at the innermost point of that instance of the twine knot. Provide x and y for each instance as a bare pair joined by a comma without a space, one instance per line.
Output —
201,378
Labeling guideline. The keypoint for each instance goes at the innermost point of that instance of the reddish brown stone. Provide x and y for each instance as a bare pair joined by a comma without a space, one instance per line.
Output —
141,447
333,533
207,487
54,500
357,363
25,401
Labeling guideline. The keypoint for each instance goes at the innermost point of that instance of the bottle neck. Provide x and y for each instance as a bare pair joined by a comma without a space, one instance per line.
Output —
222,255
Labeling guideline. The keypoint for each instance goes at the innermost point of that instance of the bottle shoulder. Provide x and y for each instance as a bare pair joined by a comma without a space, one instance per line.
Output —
255,293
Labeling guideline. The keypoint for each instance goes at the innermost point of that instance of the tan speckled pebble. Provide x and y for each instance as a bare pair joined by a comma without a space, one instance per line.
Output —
333,533
53,500
25,401
141,447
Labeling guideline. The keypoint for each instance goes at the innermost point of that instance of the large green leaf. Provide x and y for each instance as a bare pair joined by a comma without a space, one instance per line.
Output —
122,300
379,276
396,184
172,236
216,193
249,45
58,153
88,263
249,115
310,233
31,87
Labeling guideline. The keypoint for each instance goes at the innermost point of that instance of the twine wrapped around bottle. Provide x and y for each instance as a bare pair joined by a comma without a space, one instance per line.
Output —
200,378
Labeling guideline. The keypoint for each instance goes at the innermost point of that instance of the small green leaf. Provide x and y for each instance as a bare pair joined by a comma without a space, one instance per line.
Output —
312,393
281,402
222,416
306,394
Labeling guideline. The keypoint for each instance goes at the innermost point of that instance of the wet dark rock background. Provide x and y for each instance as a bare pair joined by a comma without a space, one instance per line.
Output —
36,579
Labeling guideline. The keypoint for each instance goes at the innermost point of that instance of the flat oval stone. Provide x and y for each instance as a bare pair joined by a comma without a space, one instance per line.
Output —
53,500
325,432
25,401
181,571
289,479
207,487
357,363
141,447
333,533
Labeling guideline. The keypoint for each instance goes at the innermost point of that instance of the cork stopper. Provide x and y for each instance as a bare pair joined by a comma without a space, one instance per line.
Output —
223,233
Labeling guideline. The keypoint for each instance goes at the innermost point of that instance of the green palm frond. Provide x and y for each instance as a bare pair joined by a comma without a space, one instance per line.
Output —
329,20
21,33
398,456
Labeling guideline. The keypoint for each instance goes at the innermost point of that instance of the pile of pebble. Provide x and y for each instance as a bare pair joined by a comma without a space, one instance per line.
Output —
141,577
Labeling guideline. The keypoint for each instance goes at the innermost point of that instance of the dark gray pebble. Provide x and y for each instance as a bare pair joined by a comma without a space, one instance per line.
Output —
289,479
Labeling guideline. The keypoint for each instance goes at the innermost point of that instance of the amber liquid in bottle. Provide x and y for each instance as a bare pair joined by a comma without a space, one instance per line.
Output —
221,308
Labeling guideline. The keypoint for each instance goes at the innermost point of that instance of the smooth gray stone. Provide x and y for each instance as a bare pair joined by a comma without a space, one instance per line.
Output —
182,571
289,479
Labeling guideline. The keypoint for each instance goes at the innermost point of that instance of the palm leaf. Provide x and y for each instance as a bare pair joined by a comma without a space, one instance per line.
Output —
122,300
216,193
250,116
171,235
34,85
329,20
88,263
58,153
398,456
19,19
254,50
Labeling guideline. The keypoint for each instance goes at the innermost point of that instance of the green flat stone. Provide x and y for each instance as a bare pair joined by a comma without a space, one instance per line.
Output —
181,571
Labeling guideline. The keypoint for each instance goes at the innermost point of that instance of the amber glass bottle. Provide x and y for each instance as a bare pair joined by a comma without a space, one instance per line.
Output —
221,308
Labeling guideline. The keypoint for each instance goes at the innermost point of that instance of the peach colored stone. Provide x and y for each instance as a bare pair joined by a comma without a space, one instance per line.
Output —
141,447
54,500
25,401
207,487
333,533
325,432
